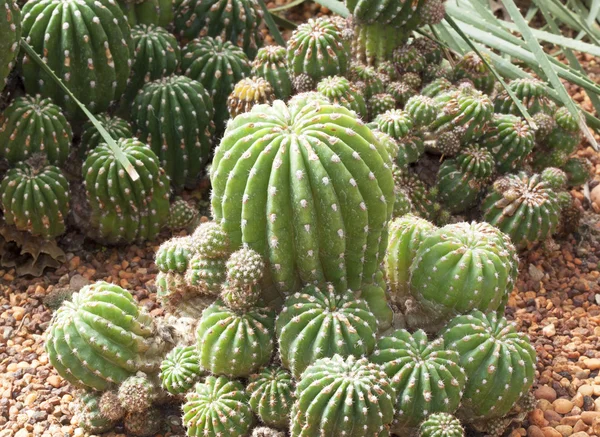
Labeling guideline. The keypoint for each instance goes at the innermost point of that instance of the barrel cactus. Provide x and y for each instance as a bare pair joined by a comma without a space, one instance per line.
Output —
35,198
247,93
94,69
147,423
206,274
398,124
10,35
366,79
578,170
499,360
270,64
180,369
380,103
472,67
401,92
340,90
136,393
441,425
178,129
554,178
116,127
510,140
422,109
34,125
174,255
271,393
211,241
102,337
182,215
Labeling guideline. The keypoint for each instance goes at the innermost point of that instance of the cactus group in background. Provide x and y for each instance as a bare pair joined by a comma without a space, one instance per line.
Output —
247,93
270,64
116,127
441,425
147,12
10,35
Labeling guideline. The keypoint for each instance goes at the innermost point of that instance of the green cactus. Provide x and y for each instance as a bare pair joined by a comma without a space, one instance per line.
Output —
116,127
545,124
174,254
402,205
388,69
110,407
380,104
177,129
235,21
340,90
95,69
430,49
330,185
566,135
432,12
182,215
10,35
116,215
554,178
179,297
408,59
271,393
35,198
235,344
34,125
136,394
270,64
180,370
206,274
412,79
398,124
423,199
448,143
401,92
374,44
218,66
249,92
148,12
316,323
472,67
532,94
340,396
437,87
510,139
143,424
441,425
499,360
578,170
245,267
211,241
422,109
101,337
371,82
263,431
303,83
375,294
90,418
240,297
216,407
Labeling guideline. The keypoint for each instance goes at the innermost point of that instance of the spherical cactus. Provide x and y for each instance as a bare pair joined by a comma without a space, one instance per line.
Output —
215,407
510,139
423,199
218,66
110,407
397,124
136,394
462,267
532,94
179,298
271,394
554,178
101,337
472,67
180,369
381,103
235,344
411,79
245,267
523,207
437,87
406,234
94,65
329,182
578,170
240,297
182,215
401,92
408,59
247,93
499,360
340,396
448,143
143,424
375,294
90,417
303,83
340,90
422,109
371,81
441,425
387,68
432,12
411,147
10,35
566,135
173,255
116,127
270,64
211,240
206,274
545,124
235,21
316,48
124,210
177,129
317,323
430,49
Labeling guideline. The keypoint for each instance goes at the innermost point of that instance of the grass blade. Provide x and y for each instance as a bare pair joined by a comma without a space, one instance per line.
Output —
275,33
286,6
335,6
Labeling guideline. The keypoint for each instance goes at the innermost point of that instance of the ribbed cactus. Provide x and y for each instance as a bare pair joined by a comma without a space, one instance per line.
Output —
263,431
380,103
340,90
218,66
341,177
182,215
422,109
375,294
271,393
35,198
249,92
423,199
216,407
136,393
566,135
408,59
116,127
211,241
317,323
430,49
180,369
123,210
110,407
532,94
101,337
235,344
90,417
499,360
173,255
554,178
366,79
148,12
343,396
179,298
523,207
236,21
398,124
245,269
510,140
425,376
441,425
206,274
33,125
10,35
143,424
94,65
472,67
401,92
578,170
178,129
270,64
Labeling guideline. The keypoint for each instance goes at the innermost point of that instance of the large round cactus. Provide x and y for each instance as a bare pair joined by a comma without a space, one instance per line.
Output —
340,396
309,188
101,337
510,140
35,198
271,395
270,64
178,128
86,43
35,125
124,210
116,127
10,35
499,360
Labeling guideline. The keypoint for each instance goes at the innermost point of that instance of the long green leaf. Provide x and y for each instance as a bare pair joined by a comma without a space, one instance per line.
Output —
282,22
287,6
275,33
335,6
105,135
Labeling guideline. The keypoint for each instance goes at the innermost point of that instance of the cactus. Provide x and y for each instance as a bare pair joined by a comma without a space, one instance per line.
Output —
10,35
271,394
324,189
340,90
461,181
35,198
532,94
180,369
370,80
33,125
510,140
95,69
247,93
402,205
117,216
374,44
437,87
211,241
411,79
441,425
136,394
263,431
218,66
398,124
206,274
216,407
148,12
448,143
177,129
101,337
110,407
381,103
270,64
432,12
340,396
472,67
566,135
240,297
303,83
182,215
554,178
235,21
523,207
422,110
173,255
401,92
90,417
408,59
143,424
317,323
429,49
245,267
375,294
423,199
116,127
179,297
316,48
499,360
545,124
578,170
234,344
425,376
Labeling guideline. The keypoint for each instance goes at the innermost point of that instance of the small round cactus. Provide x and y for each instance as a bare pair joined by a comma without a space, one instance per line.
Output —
429,49
554,178
448,143
182,215
173,255
116,127
432,12
441,425
358,396
303,83
206,274
90,417
381,103
180,370
271,394
578,170
422,109
566,135
531,92
472,67
245,267
211,241
10,35
240,297
545,124
510,139
110,406
146,423
397,124
408,59
411,79
371,81
136,394
270,64
401,92
437,87
247,93
340,90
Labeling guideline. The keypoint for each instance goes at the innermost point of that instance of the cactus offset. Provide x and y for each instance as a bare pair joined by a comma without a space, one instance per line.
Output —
371,82
90,417
401,92
380,103
472,67
173,255
211,241
180,370
182,215
271,394
270,64
510,139
441,425
110,407
340,90
206,274
136,394
247,93
532,94
578,170
422,109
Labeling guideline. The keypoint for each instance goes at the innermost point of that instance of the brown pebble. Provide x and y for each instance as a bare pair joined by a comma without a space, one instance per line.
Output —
551,432
536,417
562,406
55,381
592,363
565,430
580,434
552,417
586,390
535,431
589,416
545,392
578,400
580,426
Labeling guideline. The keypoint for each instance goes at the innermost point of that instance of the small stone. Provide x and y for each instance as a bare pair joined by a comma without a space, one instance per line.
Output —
565,430
55,381
577,400
30,399
549,330
562,406
535,431
552,416
580,433
544,405
592,363
586,390
536,417
551,432
545,392
580,426
589,416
